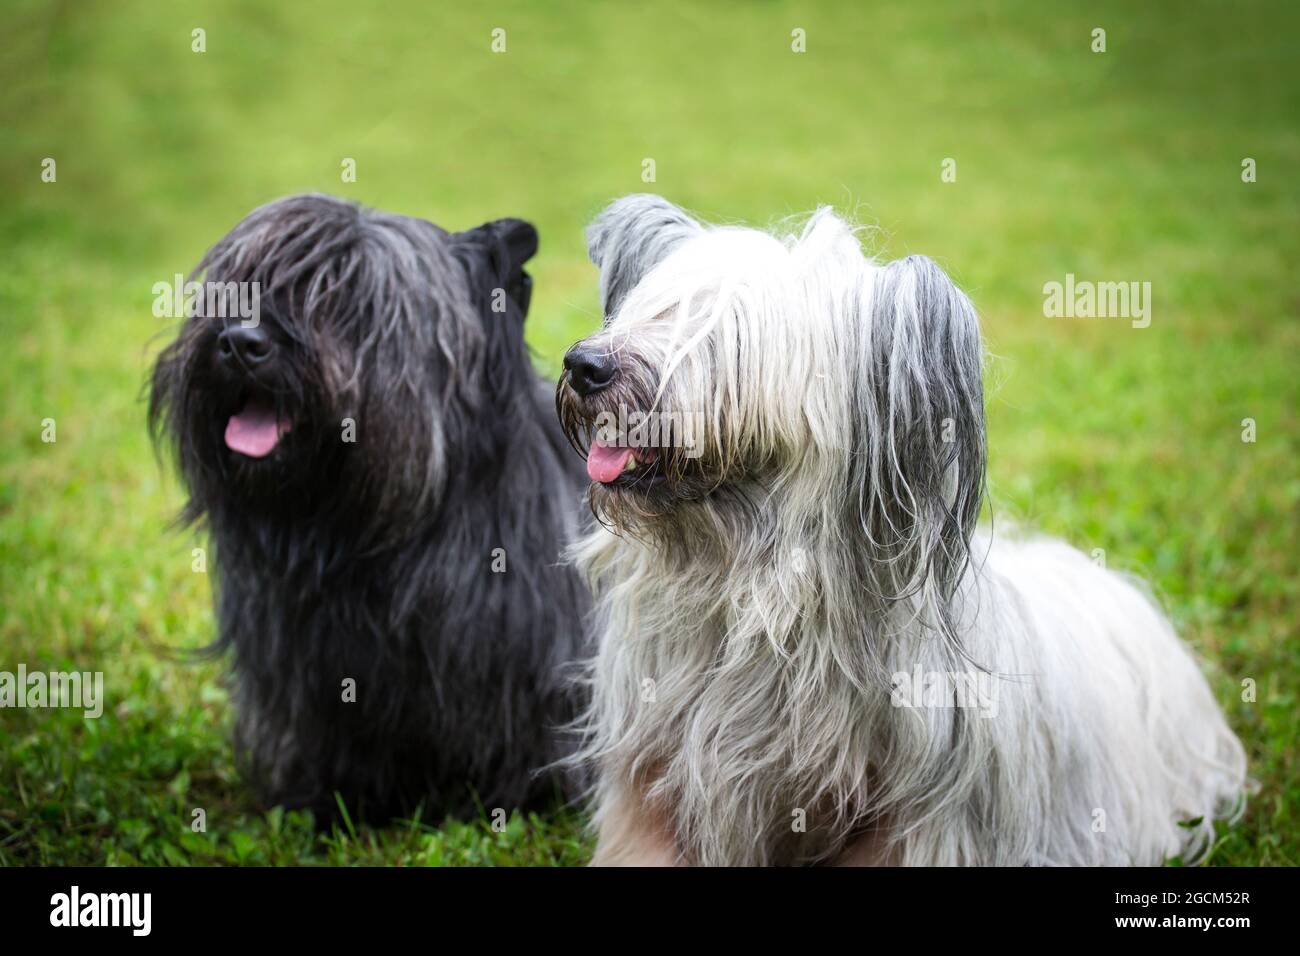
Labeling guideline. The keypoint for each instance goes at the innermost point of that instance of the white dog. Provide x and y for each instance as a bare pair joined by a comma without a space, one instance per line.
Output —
807,652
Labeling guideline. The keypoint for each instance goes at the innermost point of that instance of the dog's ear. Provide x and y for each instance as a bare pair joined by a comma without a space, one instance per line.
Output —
919,442
497,250
630,237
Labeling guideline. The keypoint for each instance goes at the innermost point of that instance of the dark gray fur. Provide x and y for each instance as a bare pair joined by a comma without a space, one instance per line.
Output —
630,237
919,446
373,560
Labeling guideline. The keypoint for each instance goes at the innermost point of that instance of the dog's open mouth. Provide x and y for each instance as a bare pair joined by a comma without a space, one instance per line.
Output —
256,429
608,464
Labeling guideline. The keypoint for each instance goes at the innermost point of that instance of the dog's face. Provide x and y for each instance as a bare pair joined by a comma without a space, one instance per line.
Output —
663,400
337,357
792,370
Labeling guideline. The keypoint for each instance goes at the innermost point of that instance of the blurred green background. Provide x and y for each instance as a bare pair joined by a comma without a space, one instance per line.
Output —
1122,165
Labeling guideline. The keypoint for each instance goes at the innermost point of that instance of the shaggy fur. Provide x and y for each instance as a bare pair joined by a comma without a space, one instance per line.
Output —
762,606
373,559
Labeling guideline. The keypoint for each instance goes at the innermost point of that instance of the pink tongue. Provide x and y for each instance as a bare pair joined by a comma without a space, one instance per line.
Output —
254,432
604,464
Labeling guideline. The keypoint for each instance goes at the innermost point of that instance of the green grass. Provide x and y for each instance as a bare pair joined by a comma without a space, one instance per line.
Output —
1115,166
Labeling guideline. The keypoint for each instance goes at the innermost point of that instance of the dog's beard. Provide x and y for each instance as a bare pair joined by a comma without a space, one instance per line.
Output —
256,429
266,450
651,475
247,438
257,414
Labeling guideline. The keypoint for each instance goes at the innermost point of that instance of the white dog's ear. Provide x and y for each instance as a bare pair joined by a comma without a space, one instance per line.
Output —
630,237
919,445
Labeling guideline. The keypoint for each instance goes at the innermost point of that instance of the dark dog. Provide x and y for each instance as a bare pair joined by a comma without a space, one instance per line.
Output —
388,494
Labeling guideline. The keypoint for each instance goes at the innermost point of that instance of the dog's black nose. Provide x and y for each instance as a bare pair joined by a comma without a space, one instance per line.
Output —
241,345
589,369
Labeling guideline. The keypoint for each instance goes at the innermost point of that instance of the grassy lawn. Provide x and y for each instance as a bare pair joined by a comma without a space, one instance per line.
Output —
1116,166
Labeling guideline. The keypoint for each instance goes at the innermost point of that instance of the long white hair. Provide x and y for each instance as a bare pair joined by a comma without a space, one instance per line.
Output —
768,613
